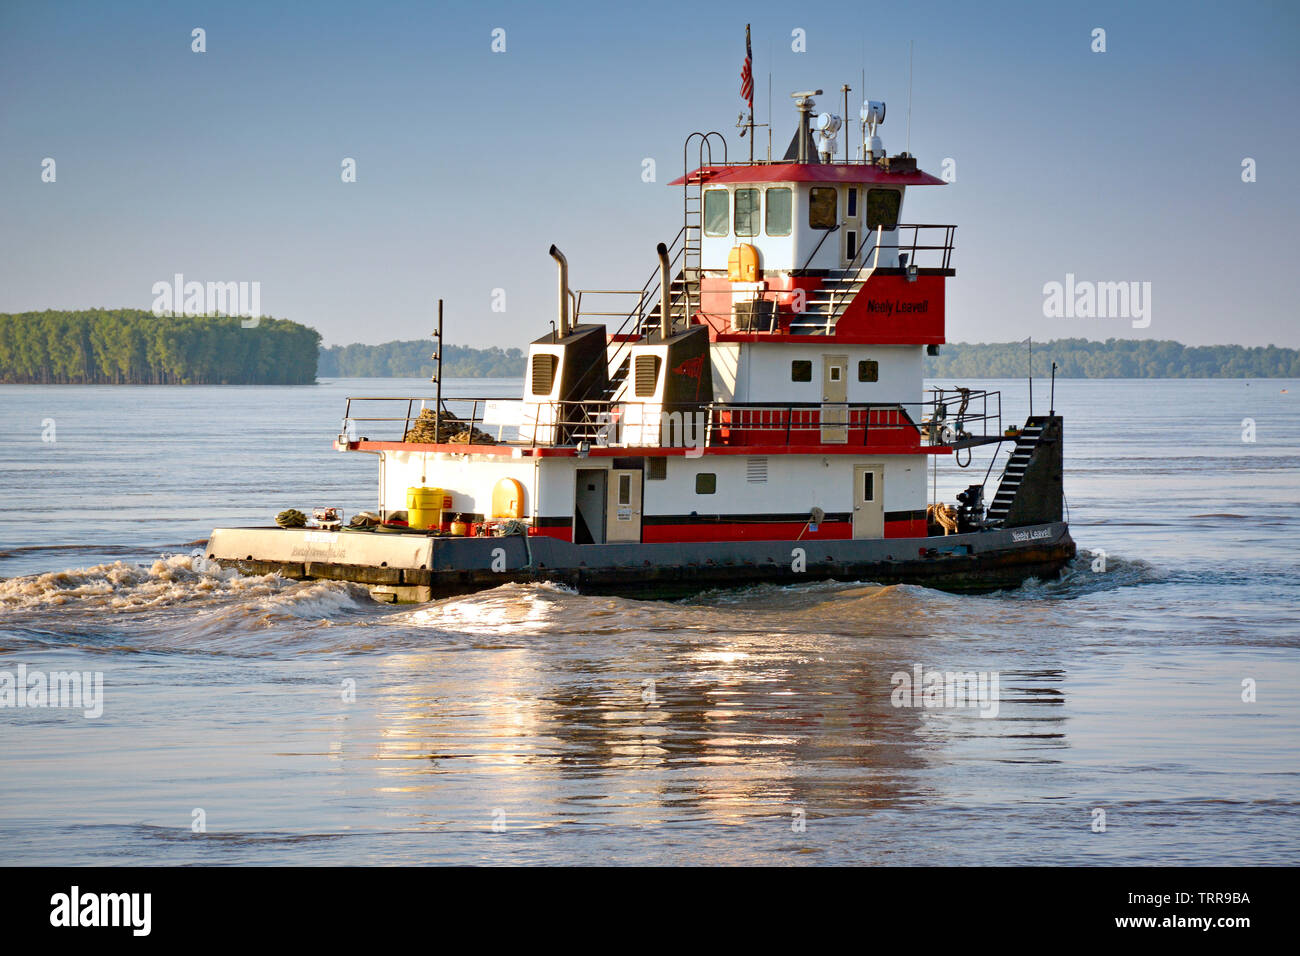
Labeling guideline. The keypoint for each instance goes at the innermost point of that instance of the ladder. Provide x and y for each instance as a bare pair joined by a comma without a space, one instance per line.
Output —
1014,473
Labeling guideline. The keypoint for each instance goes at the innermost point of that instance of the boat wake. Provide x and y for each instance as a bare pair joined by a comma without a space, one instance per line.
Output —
167,604
170,605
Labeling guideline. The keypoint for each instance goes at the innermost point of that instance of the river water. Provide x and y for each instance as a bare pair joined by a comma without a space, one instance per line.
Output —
1145,707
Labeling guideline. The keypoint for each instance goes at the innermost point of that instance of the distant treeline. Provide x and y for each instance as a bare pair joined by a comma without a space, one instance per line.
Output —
412,359
1114,358
134,347
131,346
1075,358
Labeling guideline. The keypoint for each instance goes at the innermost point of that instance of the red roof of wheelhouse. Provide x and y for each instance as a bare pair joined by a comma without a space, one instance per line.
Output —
807,173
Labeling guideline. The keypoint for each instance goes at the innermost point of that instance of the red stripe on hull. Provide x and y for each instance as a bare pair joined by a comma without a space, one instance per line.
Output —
746,531
913,528
752,531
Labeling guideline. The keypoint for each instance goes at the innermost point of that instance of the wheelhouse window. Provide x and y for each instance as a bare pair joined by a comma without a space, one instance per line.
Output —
822,205
717,212
868,370
780,217
747,212
801,370
882,208
706,483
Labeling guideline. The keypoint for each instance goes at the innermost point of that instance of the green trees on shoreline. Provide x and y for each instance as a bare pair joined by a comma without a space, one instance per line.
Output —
134,347
1076,358
131,346
412,359
1113,358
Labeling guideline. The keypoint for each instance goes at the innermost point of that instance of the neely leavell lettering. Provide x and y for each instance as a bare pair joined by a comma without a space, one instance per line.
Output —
889,307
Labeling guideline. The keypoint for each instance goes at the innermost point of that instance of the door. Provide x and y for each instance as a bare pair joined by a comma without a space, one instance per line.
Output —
851,226
589,506
868,501
835,391
624,517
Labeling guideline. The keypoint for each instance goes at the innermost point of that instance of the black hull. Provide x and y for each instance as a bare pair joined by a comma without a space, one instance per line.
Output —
965,563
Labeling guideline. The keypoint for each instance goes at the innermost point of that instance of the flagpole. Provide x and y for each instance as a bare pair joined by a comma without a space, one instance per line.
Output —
750,57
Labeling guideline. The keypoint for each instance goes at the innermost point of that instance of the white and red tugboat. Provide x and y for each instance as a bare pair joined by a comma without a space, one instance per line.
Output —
758,414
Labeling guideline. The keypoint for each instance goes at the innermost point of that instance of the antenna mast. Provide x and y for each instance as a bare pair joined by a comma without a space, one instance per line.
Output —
863,88
437,380
911,48
847,89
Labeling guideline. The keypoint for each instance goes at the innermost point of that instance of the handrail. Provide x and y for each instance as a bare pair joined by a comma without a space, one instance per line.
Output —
636,317
817,248
574,421
676,250
835,301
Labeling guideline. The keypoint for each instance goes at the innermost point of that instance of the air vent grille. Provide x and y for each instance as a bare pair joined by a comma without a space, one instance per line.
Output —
647,375
544,372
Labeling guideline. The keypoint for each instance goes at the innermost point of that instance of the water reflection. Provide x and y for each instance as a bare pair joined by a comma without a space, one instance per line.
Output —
702,724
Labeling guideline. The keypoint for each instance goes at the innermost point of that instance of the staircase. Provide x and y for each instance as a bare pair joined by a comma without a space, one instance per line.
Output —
823,310
683,295
1014,473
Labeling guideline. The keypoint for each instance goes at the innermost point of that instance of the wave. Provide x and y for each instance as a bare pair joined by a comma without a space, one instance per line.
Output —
1088,573
173,580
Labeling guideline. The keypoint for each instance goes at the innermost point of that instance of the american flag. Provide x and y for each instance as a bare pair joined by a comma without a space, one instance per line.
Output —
747,73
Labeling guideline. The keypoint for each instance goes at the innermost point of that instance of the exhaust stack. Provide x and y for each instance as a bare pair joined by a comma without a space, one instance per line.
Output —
665,293
563,306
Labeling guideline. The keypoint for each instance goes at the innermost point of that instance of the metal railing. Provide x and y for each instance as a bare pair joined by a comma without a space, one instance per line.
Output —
782,161
947,419
636,320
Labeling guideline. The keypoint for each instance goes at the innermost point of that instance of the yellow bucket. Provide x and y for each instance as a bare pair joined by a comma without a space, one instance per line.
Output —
424,507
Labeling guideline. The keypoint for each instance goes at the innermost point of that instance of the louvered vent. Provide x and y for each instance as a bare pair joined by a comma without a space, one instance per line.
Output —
647,375
544,372
756,470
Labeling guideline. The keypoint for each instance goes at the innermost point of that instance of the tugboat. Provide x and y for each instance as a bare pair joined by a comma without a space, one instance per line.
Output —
757,415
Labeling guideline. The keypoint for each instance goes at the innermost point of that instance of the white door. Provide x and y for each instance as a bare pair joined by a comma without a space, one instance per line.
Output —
851,226
868,501
624,519
835,392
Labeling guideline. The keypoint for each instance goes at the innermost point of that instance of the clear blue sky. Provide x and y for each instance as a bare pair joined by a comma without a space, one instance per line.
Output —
1123,165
